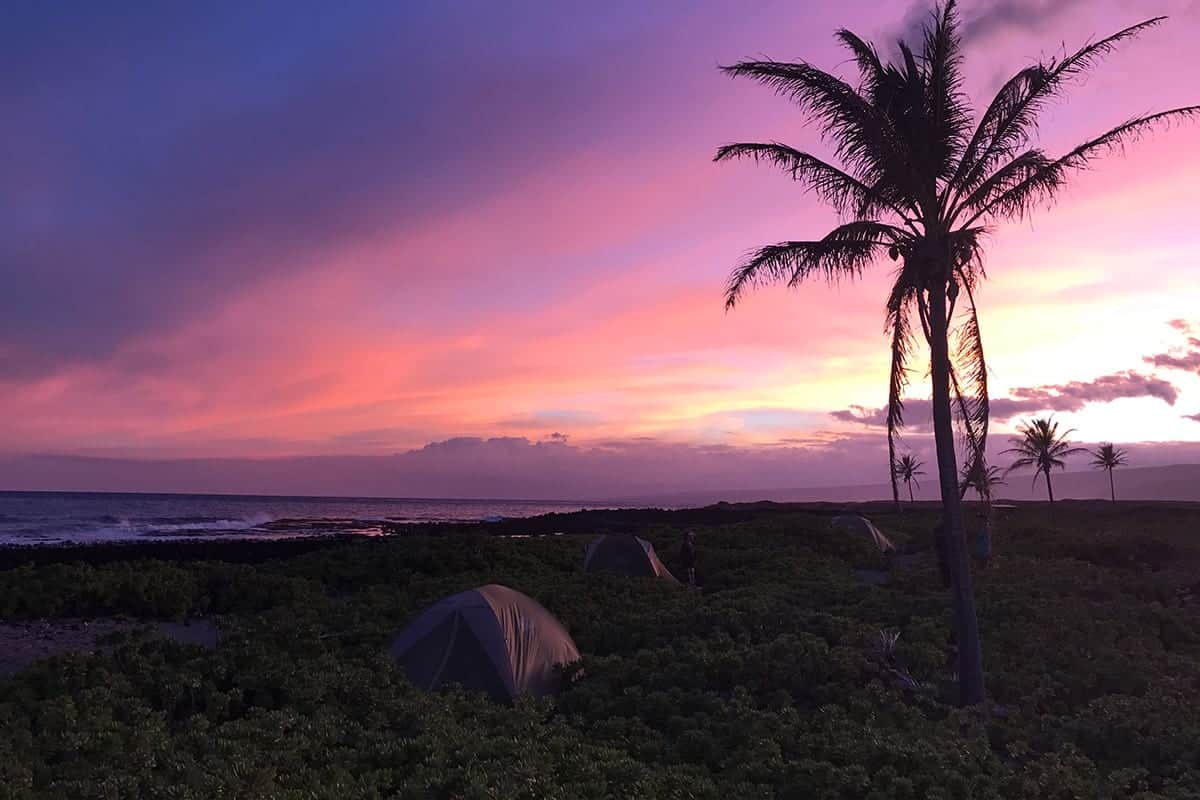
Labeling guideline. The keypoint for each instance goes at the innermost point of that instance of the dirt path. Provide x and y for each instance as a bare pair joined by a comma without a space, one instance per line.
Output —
22,643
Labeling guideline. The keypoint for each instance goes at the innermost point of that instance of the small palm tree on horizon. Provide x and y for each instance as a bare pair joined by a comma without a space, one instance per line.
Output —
1108,457
983,479
1041,445
917,179
908,467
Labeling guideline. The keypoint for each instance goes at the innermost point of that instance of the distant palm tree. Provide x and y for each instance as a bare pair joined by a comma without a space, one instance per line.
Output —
907,470
1041,445
918,180
1108,458
983,479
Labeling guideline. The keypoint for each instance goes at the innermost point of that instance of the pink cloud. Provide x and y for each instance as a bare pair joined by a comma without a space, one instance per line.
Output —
1188,358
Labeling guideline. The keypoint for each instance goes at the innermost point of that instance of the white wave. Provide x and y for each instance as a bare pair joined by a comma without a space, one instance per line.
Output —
236,524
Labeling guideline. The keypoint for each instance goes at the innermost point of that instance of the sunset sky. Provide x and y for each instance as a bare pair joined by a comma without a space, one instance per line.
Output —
282,229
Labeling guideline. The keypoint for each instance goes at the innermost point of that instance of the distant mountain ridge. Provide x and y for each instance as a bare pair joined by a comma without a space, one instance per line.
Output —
1174,482
665,476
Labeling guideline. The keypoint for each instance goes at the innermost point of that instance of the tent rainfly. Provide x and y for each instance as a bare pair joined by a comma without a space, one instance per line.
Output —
626,555
491,638
861,526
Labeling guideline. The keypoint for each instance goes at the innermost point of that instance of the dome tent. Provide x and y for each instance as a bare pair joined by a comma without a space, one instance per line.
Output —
861,526
625,554
491,638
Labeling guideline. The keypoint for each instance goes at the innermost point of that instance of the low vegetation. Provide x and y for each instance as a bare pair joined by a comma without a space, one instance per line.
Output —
785,677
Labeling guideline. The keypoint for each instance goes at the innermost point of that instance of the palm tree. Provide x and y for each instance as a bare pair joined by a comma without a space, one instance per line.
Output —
982,478
1108,458
920,181
1041,445
908,467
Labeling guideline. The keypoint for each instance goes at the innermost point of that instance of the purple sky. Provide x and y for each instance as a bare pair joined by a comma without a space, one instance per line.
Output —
478,248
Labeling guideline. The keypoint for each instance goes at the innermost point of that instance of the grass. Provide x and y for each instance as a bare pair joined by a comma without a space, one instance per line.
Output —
770,683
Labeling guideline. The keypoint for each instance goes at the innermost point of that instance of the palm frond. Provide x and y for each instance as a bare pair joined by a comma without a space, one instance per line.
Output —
1010,121
897,380
1062,450
923,315
979,476
1024,461
1010,101
836,187
863,140
912,72
1043,184
870,68
898,321
793,262
967,260
892,474
1010,175
946,109
1108,457
908,466
1041,444
969,389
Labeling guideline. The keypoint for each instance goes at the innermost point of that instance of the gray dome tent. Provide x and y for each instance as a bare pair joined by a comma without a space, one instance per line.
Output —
861,526
491,638
625,554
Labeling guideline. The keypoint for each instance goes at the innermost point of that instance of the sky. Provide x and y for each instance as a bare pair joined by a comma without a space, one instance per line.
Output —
488,241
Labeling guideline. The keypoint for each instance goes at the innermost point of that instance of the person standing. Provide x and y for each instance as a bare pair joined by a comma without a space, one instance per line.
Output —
983,541
687,554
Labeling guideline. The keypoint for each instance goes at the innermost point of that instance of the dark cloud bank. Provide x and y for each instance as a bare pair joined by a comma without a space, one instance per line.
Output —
1071,396
986,17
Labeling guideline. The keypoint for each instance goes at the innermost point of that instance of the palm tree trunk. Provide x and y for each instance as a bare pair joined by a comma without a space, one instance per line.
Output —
1049,488
892,469
970,656
910,495
1112,490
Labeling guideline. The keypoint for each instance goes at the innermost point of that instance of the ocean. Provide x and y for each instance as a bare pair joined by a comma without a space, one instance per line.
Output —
44,518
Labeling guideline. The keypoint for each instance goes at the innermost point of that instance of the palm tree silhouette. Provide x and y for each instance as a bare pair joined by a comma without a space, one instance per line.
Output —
1041,445
982,478
908,467
1108,458
920,182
